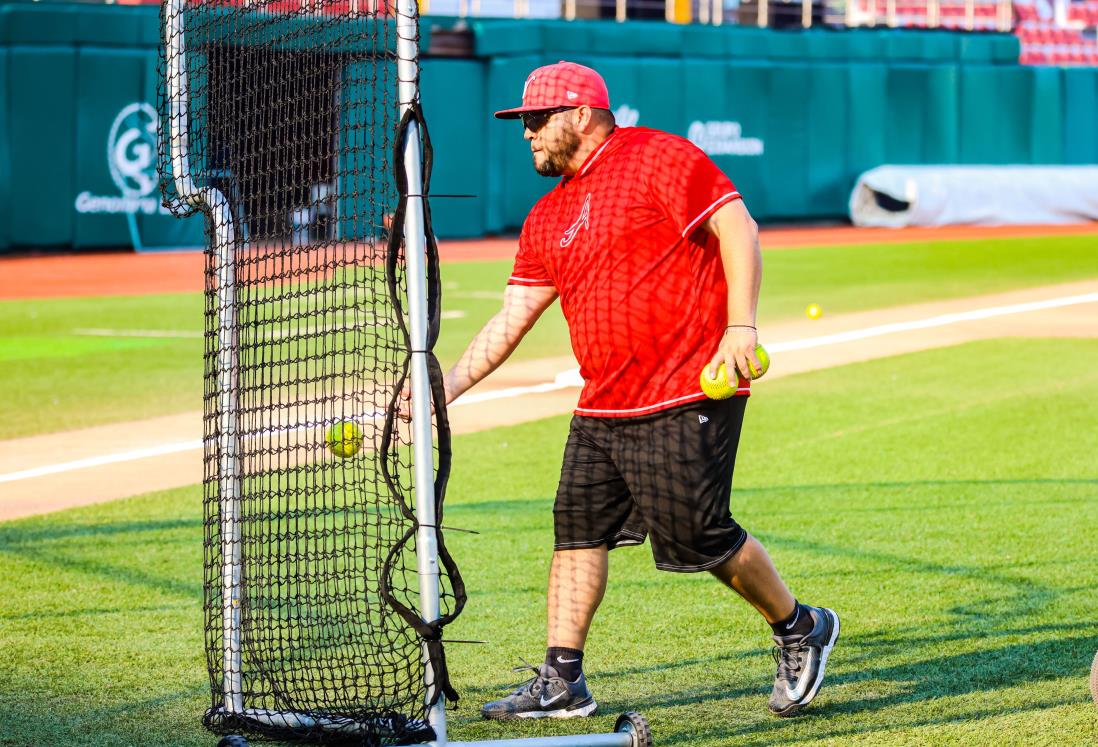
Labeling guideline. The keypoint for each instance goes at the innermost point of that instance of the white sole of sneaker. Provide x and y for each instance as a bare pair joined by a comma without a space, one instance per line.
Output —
580,712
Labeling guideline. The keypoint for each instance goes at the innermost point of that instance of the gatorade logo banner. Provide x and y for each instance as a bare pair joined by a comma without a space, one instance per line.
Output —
131,158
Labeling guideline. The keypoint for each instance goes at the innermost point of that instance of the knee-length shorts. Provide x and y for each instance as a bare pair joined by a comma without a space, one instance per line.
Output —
665,476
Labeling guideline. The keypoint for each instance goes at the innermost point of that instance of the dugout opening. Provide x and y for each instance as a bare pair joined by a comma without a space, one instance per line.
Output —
273,127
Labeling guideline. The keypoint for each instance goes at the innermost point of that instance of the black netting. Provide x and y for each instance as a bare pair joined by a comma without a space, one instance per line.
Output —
290,117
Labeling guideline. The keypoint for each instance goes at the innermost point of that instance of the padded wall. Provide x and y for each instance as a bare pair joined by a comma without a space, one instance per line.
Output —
793,117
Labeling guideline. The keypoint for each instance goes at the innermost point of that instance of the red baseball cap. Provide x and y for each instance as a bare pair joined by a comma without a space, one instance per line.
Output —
559,85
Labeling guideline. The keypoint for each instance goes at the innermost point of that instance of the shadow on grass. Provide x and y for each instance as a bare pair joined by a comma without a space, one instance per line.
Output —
778,732
850,713
92,611
903,485
53,546
503,687
140,721
973,673
500,505
892,561
12,536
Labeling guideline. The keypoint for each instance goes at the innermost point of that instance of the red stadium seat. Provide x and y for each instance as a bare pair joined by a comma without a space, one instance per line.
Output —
1026,12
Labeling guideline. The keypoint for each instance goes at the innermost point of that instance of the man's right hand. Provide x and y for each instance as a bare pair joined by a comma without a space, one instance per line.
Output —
404,403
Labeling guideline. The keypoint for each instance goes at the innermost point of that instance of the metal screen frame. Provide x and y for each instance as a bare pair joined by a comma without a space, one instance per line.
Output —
228,348
217,206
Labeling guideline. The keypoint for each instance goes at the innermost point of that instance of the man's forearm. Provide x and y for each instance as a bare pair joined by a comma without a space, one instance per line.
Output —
743,271
522,306
742,261
492,346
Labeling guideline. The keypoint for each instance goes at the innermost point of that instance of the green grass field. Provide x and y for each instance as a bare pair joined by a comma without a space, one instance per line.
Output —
943,502
67,378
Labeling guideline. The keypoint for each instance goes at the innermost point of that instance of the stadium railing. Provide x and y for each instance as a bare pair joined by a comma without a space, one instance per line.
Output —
1051,32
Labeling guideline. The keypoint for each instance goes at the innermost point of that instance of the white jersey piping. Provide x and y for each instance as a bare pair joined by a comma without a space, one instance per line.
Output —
709,210
594,157
651,408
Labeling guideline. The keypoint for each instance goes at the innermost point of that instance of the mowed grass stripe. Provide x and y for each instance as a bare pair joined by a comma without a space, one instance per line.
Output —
843,279
941,501
66,380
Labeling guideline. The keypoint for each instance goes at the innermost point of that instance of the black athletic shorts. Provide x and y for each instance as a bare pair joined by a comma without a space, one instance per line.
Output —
667,476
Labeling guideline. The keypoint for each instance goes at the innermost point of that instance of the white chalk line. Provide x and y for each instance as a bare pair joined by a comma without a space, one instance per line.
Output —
934,321
99,461
571,378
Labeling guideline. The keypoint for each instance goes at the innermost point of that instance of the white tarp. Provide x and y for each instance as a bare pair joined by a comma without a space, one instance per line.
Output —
898,196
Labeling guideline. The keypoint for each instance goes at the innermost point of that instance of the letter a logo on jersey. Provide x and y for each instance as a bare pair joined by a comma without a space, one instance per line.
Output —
583,221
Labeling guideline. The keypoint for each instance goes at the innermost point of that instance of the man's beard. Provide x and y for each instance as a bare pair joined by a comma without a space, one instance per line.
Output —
557,160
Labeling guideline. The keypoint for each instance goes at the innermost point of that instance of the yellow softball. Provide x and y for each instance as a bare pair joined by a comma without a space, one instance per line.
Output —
764,361
344,439
717,387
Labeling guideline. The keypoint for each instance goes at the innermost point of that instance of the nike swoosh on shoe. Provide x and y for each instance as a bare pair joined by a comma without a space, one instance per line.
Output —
546,703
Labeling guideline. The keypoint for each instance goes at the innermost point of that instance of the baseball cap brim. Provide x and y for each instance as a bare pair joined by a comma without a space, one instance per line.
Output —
520,110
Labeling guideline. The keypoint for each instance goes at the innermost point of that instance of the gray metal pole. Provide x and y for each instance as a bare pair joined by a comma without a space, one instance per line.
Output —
229,471
178,100
415,251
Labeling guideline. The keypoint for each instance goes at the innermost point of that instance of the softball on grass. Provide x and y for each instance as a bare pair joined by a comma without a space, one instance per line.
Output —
344,439
813,311
719,387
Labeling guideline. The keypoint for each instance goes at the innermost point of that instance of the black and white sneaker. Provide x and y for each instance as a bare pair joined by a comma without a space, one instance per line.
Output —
801,661
547,695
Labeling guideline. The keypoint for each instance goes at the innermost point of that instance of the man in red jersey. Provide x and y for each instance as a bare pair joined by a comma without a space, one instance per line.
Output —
657,266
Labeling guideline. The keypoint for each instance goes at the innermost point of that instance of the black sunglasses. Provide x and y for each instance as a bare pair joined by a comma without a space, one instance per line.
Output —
534,121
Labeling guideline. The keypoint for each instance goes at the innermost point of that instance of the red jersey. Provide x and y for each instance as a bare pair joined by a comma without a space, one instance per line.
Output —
640,278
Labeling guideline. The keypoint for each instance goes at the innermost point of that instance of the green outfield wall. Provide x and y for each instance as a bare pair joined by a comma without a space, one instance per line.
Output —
792,116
